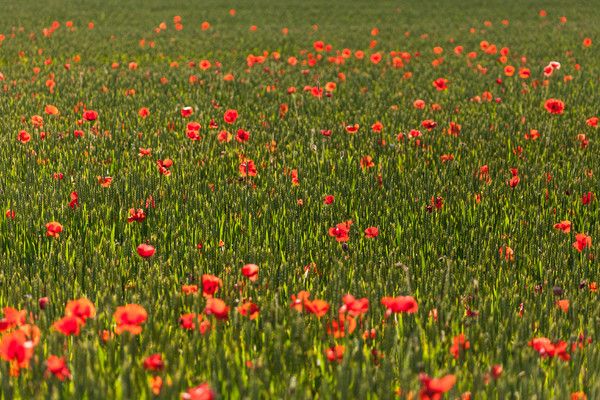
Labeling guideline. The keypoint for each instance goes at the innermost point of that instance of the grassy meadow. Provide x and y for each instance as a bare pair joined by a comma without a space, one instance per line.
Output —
256,200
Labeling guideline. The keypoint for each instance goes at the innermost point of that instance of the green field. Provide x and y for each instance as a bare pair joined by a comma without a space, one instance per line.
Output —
175,174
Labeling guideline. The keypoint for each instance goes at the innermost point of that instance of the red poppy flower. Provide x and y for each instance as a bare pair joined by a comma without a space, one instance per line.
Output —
80,308
432,389
459,342
10,213
554,106
336,353
513,182
224,137
210,285
17,349
230,116
249,310
201,392
441,84
129,318
563,304
317,307
154,363
216,307
57,367
138,215
298,301
366,162
377,126
248,169
90,115
352,128
12,318
68,325
54,228
250,271
582,241
329,199
340,231
429,124
189,289
186,111
242,136
144,112
105,182
145,250
337,328
564,225
24,137
548,349
403,304
145,152
353,306
592,121
371,232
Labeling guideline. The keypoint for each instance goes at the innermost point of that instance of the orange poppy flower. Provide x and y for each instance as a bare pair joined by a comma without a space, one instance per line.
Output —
587,42
54,228
224,137
509,70
371,232
375,58
582,241
366,162
247,169
249,310
298,301
317,307
52,110
104,182
352,128
189,289
564,225
12,318
129,318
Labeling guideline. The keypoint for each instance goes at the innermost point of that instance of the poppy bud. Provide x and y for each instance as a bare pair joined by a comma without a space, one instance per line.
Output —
557,291
43,301
345,247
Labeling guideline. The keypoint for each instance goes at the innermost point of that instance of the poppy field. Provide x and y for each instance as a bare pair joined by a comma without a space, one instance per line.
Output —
255,200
